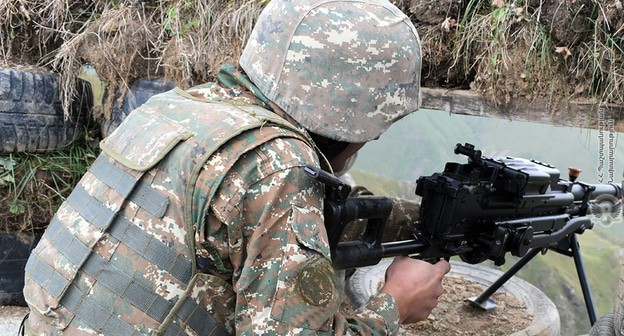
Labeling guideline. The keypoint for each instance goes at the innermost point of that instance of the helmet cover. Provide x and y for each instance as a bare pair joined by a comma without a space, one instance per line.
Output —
344,69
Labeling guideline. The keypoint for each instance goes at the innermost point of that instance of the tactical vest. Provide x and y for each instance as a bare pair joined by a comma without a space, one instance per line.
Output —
119,257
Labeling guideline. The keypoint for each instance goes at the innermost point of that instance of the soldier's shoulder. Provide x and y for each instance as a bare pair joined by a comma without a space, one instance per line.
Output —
290,149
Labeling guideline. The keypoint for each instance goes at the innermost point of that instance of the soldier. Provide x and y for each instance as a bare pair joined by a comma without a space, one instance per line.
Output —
198,218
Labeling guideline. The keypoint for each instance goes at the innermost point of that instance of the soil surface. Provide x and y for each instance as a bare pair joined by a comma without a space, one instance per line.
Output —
454,317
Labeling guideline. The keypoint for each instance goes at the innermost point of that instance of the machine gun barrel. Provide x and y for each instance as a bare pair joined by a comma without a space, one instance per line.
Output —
611,189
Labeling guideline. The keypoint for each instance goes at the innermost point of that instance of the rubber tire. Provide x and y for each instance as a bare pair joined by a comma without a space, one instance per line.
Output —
618,315
139,92
31,115
14,251
366,281
603,327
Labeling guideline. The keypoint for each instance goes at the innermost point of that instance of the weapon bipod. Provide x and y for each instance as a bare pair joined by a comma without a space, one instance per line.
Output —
572,249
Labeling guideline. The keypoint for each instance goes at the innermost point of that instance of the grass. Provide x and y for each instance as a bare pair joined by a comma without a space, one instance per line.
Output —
32,186
182,40
499,48
509,52
604,59
502,50
508,49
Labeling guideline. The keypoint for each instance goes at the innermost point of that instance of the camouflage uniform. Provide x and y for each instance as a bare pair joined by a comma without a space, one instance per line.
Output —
261,261
400,224
198,218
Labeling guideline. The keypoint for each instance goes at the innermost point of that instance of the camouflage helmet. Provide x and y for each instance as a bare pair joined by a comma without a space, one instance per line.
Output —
345,69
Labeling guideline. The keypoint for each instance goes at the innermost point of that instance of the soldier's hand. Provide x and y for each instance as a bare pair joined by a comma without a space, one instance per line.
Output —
416,286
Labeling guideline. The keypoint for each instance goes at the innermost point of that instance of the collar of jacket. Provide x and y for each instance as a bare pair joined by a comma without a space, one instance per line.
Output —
230,77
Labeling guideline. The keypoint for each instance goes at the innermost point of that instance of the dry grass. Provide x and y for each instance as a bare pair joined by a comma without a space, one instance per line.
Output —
118,44
185,41
508,52
203,36
502,52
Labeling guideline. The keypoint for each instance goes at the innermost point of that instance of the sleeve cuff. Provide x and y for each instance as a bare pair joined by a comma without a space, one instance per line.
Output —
386,307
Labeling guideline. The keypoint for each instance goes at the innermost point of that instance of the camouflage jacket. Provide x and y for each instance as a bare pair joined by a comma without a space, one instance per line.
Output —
250,249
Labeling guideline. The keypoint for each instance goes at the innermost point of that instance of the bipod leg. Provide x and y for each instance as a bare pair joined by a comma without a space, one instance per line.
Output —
580,270
483,301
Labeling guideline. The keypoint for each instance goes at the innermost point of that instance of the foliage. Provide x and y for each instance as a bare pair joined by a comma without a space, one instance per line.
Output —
502,48
508,50
33,185
183,40
516,48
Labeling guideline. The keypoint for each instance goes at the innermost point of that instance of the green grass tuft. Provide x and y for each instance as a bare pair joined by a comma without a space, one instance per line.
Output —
33,185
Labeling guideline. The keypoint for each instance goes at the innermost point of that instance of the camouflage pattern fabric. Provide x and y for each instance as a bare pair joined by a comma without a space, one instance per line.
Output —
400,224
345,70
232,202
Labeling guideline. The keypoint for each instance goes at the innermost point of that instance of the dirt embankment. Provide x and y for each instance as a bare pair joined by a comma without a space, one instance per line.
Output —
504,49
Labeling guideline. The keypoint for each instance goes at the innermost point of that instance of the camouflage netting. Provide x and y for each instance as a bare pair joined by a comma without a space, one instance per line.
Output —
501,48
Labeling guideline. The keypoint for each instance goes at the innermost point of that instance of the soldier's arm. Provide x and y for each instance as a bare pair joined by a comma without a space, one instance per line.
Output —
285,282
400,224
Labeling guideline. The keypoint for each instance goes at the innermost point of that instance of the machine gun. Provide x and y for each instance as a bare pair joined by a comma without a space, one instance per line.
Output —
479,210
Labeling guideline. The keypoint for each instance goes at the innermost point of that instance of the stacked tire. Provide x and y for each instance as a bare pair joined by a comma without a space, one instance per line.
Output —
31,113
618,315
612,324
32,120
